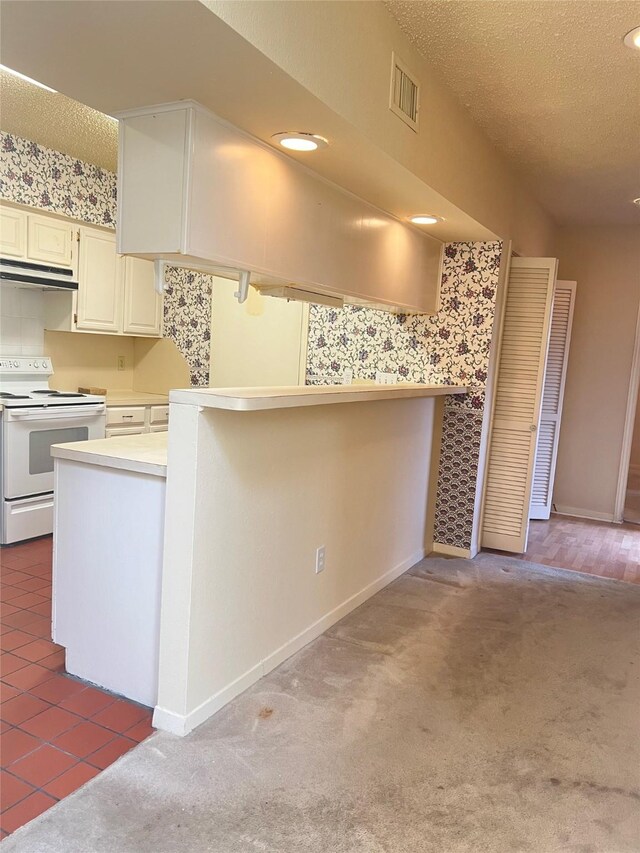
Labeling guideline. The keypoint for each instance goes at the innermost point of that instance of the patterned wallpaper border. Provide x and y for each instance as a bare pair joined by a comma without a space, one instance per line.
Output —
41,177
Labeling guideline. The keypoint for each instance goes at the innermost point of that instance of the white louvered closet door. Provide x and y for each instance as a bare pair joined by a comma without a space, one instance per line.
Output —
516,413
552,396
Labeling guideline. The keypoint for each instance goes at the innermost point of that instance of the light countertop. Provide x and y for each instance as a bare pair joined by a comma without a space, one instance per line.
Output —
143,454
293,396
128,397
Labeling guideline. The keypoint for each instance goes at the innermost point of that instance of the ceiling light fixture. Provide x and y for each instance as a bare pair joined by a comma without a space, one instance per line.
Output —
632,38
28,79
637,201
425,219
299,141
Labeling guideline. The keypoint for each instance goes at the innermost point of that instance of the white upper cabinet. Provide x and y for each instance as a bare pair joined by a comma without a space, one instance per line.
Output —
99,282
116,294
196,191
142,310
50,241
13,233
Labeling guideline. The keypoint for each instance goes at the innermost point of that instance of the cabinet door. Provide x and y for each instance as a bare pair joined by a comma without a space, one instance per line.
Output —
142,305
552,398
99,282
13,233
50,241
518,399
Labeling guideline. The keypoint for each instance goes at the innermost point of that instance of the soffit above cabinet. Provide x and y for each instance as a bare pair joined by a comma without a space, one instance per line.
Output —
196,191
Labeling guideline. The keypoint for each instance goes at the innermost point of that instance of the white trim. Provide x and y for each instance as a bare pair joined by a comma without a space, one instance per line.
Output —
452,551
627,435
182,724
579,512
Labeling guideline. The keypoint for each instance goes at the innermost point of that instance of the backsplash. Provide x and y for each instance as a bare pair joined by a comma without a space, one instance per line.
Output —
40,177
450,347
21,321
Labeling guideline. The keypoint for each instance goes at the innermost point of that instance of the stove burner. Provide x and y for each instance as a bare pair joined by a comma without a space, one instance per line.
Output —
49,393
7,396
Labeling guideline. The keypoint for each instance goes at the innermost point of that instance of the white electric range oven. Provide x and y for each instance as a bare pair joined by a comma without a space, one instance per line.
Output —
33,418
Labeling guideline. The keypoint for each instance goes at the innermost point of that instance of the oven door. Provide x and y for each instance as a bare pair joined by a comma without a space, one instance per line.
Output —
28,434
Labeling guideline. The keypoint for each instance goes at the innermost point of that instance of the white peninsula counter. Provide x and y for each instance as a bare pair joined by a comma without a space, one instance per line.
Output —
107,560
183,601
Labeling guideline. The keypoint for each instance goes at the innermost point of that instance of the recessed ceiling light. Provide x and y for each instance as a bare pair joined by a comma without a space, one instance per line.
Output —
632,38
425,219
299,141
28,79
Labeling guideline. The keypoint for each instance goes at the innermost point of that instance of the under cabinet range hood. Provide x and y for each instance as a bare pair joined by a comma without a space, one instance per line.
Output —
41,276
197,192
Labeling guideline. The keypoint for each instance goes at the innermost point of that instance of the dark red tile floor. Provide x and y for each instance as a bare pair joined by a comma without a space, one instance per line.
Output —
56,732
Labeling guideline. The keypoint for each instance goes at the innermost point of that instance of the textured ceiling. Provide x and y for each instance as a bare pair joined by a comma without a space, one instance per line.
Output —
58,122
552,85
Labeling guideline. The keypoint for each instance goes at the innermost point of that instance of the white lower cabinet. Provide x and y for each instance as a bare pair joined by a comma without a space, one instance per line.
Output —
136,420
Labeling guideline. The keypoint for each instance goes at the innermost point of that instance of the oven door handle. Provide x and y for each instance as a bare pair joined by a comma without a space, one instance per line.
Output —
59,413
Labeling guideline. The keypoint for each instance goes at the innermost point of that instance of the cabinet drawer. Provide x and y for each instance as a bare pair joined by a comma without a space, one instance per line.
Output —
125,416
158,415
113,432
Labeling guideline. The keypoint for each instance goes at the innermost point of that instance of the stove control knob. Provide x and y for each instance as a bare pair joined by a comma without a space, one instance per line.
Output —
16,364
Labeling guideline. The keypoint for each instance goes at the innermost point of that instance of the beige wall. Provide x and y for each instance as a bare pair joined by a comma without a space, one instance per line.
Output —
341,52
80,359
605,262
634,464
250,497
151,365
258,342
159,366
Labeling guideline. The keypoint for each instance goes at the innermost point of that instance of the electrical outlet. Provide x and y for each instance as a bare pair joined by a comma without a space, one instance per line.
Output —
386,378
122,362
320,560
347,376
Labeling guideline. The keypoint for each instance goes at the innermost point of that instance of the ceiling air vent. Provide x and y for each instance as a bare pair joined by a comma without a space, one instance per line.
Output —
404,96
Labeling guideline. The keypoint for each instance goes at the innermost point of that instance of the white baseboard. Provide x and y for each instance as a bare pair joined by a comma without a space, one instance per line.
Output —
182,724
452,551
577,512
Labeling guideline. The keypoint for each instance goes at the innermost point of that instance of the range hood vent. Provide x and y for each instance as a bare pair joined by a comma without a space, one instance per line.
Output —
41,276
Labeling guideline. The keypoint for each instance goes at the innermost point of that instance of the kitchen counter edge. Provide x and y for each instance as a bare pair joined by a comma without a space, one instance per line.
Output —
295,396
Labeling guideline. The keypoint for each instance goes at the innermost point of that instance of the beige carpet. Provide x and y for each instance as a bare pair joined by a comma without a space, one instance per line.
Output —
471,706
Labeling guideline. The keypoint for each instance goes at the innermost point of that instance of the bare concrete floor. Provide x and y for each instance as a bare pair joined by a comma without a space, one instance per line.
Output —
471,706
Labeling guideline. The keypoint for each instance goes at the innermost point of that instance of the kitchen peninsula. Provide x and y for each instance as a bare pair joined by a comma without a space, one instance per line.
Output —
285,508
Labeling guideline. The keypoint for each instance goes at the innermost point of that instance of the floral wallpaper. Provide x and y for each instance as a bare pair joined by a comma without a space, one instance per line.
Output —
40,177
187,318
450,347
